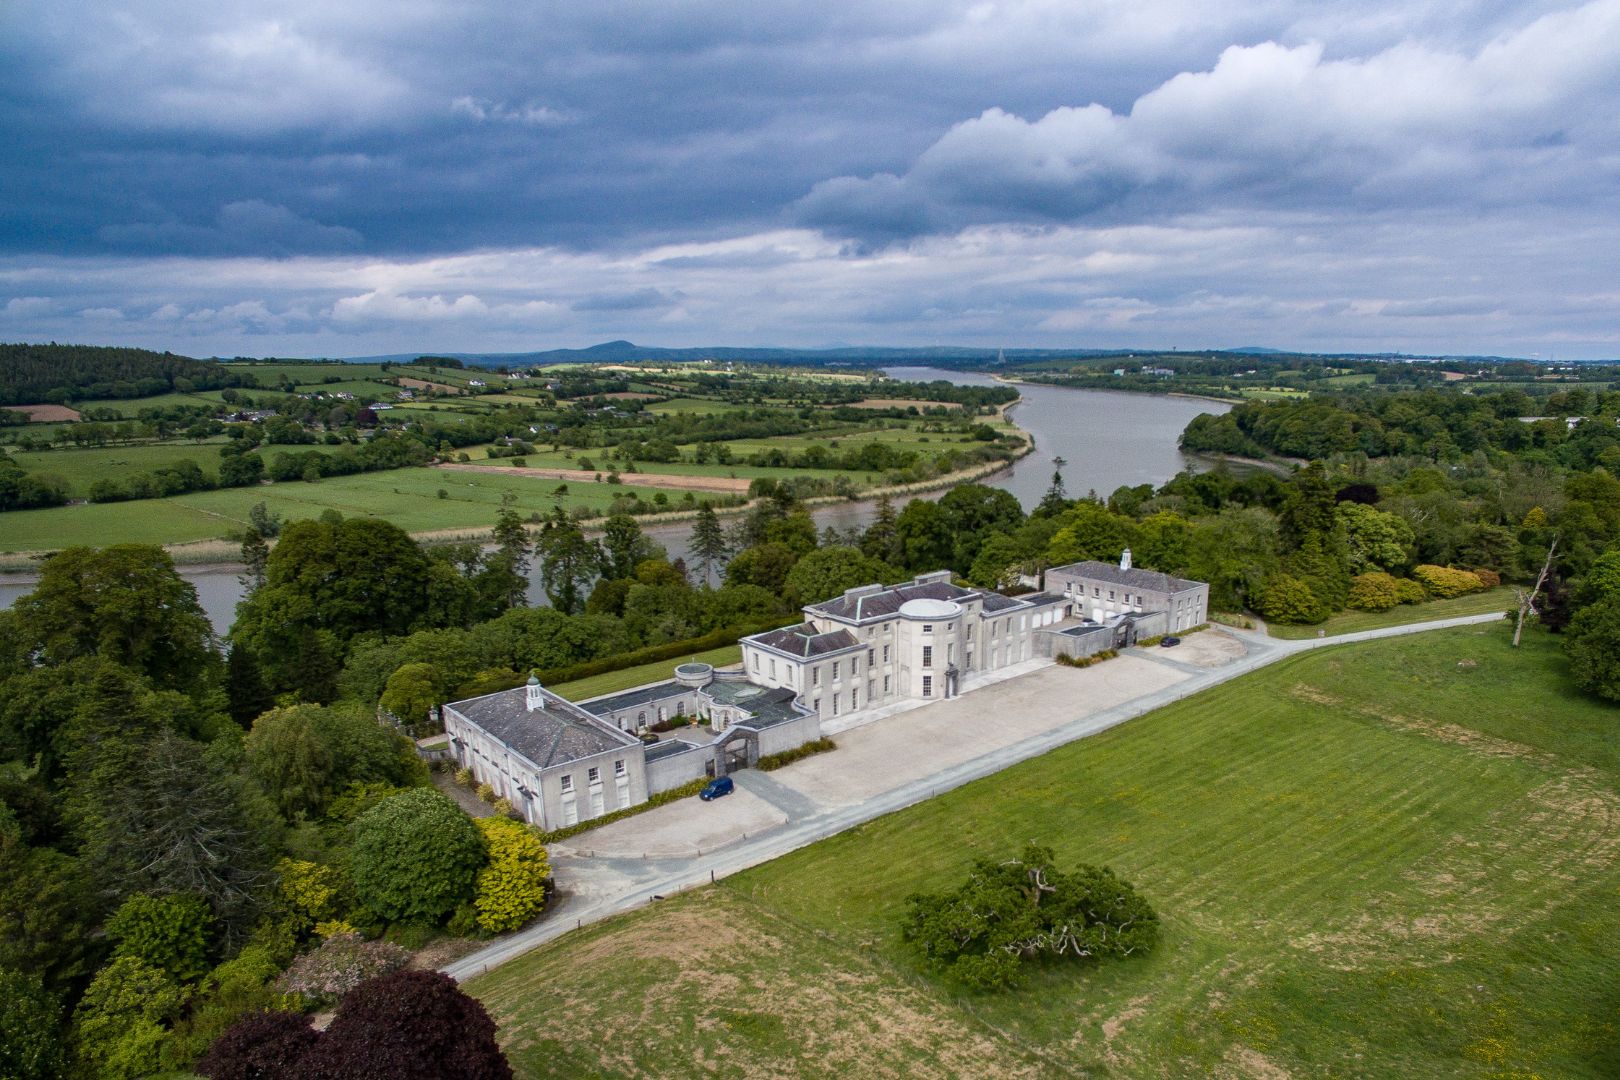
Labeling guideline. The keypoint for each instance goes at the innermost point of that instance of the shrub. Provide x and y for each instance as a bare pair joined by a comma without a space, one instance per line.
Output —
1013,911
120,1018
788,757
464,776
1489,578
341,963
415,856
316,895
486,792
170,933
409,1025
1086,661
1410,591
1375,591
503,808
261,1046
30,1022
511,889
1446,582
1287,599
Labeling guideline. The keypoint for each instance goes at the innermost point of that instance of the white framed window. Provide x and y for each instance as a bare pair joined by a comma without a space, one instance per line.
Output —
835,704
928,628
816,705
871,689
854,666
854,699
835,669
595,775
773,668
618,767
885,684
871,657
928,686
885,654
567,783
815,676
928,656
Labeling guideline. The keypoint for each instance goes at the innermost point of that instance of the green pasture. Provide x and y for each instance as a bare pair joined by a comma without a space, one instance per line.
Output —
1392,859
700,406
407,497
1349,622
81,468
301,374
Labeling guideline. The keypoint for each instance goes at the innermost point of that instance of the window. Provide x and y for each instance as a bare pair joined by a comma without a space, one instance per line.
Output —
970,632
567,784
885,654
816,705
618,767
835,669
595,775
773,669
1096,590
871,689
756,661
950,653
815,676
871,657
928,686
854,666
885,684
835,704
1110,595
928,628
854,699
928,656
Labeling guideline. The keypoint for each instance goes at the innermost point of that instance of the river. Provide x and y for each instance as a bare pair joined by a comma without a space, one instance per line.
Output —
1107,439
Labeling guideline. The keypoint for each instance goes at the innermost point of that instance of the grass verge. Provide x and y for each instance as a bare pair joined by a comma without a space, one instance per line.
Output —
1349,622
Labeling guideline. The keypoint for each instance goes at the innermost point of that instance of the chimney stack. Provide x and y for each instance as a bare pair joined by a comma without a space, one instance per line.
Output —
534,698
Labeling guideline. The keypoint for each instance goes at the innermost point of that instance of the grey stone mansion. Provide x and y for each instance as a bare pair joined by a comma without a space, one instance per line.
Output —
874,647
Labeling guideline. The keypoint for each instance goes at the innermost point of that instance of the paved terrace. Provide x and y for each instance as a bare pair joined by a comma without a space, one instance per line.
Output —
879,768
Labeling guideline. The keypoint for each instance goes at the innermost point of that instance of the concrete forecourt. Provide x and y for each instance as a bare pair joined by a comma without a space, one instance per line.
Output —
889,762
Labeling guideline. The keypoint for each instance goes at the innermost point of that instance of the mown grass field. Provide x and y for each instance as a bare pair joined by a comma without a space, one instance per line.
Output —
1349,622
407,497
81,468
1392,859
628,678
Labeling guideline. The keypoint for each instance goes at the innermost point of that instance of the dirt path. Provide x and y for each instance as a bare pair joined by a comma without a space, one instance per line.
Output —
729,484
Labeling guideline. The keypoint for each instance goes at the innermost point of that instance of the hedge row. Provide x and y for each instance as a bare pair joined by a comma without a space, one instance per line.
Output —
714,639
1086,661
663,797
788,757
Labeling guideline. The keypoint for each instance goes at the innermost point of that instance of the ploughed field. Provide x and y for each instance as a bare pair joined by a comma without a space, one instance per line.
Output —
1399,858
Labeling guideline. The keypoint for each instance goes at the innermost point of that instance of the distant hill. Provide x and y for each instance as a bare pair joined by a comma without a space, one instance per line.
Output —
56,374
618,352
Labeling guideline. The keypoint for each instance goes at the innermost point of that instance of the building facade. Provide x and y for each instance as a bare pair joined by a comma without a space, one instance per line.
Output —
1101,592
880,644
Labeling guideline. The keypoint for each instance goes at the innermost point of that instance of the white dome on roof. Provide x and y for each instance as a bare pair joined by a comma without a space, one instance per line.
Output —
930,609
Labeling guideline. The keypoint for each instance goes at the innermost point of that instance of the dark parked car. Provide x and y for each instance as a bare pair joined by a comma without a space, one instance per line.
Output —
720,785
1169,642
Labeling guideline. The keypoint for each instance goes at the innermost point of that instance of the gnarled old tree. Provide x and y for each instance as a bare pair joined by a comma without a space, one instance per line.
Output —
1025,910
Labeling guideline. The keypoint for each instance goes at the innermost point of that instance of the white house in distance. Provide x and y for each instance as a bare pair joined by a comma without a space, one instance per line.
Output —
1101,591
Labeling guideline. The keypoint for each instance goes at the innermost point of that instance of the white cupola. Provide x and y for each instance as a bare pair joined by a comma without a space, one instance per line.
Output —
533,697
1125,560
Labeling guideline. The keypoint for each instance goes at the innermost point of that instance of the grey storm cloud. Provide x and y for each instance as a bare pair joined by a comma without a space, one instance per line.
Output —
360,177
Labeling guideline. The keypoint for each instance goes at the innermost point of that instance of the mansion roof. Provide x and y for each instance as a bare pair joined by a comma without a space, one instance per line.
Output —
555,735
1134,578
805,640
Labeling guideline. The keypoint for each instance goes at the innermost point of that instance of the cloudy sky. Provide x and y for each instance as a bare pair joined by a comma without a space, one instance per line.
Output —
255,177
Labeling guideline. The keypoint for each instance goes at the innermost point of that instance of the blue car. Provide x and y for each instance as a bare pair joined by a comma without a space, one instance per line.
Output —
720,785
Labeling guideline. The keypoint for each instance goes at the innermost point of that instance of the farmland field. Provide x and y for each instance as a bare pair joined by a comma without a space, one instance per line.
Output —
1349,622
407,497
1394,859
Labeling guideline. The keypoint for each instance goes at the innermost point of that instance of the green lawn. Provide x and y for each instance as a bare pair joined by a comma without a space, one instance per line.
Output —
1348,622
1370,861
614,681
407,497
81,468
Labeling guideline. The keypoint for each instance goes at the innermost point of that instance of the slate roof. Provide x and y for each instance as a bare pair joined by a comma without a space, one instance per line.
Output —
994,602
669,748
555,735
1134,578
805,640
629,699
886,602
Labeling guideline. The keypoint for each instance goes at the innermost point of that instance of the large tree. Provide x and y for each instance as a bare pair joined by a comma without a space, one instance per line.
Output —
126,604
974,513
1013,911
1592,642
708,542
304,756
568,563
408,1025
416,857
827,572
